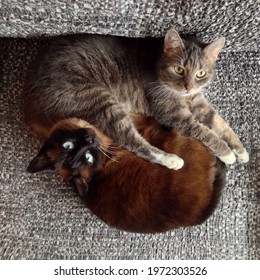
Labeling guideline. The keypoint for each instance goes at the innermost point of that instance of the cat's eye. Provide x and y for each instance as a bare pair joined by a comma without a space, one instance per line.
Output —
68,145
179,70
89,157
201,74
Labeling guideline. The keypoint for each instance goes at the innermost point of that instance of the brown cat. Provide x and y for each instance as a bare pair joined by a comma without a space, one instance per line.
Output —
126,191
102,79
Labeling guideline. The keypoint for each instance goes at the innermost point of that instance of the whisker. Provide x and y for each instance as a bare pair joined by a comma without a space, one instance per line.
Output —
100,149
161,89
109,147
109,151
109,144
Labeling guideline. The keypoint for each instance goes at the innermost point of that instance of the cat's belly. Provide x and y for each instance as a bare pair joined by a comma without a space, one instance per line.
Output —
128,107
135,109
136,104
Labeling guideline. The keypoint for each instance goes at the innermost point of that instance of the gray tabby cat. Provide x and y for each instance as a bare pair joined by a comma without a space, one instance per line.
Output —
104,78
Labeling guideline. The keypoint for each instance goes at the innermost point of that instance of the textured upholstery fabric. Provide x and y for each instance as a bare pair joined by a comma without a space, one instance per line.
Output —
42,218
238,20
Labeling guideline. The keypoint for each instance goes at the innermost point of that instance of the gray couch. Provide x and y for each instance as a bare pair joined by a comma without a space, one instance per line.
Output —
42,218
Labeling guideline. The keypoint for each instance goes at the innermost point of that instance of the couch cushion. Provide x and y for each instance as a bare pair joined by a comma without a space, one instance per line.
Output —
42,218
238,20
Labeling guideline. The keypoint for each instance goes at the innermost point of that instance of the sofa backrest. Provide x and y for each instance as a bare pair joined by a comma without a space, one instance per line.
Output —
237,20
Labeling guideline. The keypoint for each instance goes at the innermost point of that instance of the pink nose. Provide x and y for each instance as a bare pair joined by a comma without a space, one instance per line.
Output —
188,87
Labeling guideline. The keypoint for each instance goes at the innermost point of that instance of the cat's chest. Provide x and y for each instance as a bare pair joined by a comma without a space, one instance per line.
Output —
195,102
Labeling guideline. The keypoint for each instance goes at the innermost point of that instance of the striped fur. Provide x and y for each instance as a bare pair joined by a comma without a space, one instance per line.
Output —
102,79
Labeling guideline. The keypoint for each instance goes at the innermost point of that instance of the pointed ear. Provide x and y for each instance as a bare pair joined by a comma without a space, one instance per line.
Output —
40,162
82,186
172,42
213,49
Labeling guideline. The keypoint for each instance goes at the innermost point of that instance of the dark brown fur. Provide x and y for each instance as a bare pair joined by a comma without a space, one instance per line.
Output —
102,79
74,78
132,194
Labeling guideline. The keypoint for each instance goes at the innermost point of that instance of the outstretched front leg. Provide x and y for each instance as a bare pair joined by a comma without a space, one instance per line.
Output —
117,124
175,113
205,114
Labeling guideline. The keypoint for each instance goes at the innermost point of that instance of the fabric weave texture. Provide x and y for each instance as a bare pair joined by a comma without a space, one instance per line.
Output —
238,20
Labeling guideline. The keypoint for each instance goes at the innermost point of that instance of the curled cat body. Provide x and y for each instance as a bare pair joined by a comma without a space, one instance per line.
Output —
126,191
102,79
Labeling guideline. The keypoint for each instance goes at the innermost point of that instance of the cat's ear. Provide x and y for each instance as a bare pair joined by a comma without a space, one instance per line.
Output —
213,49
82,186
172,42
41,162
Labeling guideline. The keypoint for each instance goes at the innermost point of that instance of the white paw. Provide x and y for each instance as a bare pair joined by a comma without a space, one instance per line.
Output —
242,157
228,159
171,161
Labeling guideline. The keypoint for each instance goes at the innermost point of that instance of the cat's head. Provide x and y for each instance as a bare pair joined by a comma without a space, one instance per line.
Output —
187,65
73,148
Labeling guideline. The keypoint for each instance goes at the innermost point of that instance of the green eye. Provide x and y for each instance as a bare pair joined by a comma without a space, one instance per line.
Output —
200,74
178,70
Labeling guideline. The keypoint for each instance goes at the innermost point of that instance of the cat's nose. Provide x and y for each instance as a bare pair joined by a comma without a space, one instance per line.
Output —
90,137
188,87
91,141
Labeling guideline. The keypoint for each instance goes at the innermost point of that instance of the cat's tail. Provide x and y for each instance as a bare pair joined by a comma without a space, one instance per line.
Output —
218,185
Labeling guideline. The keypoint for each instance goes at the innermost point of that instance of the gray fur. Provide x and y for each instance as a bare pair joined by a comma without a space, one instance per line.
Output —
102,79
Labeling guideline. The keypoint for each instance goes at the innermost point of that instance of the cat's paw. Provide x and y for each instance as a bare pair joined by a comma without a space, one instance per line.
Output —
228,159
242,157
170,161
173,162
